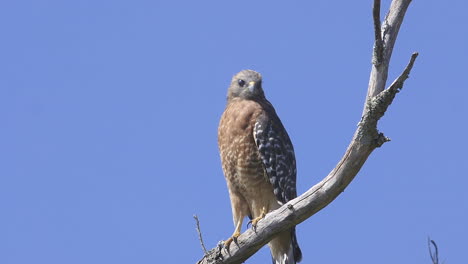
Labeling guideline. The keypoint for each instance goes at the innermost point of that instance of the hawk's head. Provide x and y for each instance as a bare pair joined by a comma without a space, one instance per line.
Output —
247,84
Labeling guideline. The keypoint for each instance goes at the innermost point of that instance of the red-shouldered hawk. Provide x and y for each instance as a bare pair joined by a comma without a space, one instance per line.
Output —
258,161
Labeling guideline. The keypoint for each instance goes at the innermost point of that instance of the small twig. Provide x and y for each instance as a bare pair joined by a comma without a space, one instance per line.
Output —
434,255
398,83
200,235
378,46
376,15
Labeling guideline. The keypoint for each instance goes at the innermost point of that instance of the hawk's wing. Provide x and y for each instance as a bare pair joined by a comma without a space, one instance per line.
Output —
277,154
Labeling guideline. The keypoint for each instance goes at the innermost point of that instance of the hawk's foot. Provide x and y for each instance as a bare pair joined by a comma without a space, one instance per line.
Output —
256,219
232,238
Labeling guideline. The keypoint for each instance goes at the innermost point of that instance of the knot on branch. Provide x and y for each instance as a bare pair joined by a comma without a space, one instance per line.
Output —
381,140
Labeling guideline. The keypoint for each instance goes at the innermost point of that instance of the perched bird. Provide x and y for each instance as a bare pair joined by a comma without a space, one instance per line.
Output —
258,161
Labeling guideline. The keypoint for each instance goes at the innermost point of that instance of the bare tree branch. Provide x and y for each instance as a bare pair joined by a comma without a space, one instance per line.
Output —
378,44
434,255
199,234
390,28
365,140
398,83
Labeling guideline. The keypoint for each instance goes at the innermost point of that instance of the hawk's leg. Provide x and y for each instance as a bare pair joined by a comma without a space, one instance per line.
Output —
236,233
260,217
240,210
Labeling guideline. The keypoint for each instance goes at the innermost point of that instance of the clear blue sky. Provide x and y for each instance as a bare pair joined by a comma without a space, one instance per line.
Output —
109,114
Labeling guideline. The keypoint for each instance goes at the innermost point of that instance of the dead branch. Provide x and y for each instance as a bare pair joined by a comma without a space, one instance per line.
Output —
365,140
378,43
389,32
200,234
434,255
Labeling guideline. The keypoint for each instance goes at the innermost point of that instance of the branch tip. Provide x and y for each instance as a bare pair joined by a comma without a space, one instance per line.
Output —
398,82
434,255
378,45
200,234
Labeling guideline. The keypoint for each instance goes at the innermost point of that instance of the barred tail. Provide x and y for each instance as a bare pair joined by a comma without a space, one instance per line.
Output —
285,249
295,246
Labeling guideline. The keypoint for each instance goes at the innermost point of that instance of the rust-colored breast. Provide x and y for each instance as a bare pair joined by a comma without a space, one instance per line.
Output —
240,158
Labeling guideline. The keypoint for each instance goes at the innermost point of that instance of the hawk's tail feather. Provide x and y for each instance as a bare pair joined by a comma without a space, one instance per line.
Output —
295,246
288,253
286,258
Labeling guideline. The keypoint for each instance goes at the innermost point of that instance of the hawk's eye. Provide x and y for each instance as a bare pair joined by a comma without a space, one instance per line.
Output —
241,82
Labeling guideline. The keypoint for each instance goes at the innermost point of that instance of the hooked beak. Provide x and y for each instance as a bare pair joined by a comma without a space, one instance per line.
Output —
251,86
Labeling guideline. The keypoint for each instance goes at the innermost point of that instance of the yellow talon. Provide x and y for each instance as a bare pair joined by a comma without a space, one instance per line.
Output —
232,238
255,220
